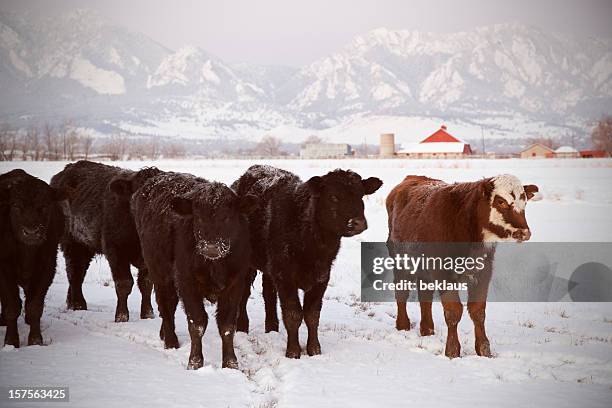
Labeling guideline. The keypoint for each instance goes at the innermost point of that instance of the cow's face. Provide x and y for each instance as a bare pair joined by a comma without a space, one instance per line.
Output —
125,185
217,216
31,205
507,199
338,200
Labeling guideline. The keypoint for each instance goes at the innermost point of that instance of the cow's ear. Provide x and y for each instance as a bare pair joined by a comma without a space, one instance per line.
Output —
121,186
486,188
248,204
315,185
530,190
182,206
59,194
370,185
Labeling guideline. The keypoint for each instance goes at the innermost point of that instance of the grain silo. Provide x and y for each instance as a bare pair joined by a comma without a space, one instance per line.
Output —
387,145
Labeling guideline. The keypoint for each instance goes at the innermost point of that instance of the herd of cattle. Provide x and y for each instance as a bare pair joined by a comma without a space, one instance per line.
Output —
195,239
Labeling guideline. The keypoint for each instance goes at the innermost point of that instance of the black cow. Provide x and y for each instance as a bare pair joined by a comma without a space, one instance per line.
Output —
98,221
295,235
195,239
31,224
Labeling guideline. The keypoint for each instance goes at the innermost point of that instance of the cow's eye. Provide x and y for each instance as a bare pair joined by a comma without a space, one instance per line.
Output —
502,203
334,199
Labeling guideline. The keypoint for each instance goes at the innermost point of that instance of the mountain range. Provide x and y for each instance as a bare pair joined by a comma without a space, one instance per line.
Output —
511,79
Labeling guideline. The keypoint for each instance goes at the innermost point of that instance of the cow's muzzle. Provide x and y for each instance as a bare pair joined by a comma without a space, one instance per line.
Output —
213,249
522,234
33,235
355,226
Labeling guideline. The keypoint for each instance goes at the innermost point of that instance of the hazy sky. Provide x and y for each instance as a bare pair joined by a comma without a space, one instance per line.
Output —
297,32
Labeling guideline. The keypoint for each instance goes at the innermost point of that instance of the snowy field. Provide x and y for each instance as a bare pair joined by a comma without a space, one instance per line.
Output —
546,354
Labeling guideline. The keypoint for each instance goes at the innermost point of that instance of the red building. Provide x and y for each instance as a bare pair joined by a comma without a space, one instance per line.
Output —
440,145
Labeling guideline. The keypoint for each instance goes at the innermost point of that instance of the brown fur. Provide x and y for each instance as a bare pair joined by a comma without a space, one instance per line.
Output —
422,209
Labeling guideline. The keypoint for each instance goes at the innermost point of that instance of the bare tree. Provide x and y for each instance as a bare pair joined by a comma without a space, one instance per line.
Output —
5,131
116,147
173,150
602,134
13,144
23,141
34,142
268,146
152,148
87,144
51,142
71,143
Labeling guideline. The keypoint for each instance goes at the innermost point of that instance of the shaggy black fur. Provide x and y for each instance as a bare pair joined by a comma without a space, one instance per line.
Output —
99,221
31,224
295,234
195,240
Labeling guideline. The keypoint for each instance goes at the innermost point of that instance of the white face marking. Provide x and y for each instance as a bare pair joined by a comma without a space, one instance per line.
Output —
509,188
488,236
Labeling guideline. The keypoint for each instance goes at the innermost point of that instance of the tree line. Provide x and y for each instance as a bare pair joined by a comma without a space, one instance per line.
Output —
68,142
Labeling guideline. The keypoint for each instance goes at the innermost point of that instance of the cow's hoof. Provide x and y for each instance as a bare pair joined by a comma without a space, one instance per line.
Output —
12,340
293,353
483,349
402,325
195,363
232,363
121,317
35,340
171,343
427,331
242,326
452,350
271,326
313,349
147,313
77,304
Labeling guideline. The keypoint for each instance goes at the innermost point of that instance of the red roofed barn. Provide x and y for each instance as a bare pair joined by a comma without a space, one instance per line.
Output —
440,145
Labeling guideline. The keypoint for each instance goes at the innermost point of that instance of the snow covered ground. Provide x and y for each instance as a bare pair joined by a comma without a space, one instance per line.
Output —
546,354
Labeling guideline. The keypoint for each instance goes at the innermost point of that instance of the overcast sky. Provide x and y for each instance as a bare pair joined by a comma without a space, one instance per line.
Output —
297,32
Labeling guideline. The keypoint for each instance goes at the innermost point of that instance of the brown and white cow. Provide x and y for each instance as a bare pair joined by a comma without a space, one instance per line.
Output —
422,209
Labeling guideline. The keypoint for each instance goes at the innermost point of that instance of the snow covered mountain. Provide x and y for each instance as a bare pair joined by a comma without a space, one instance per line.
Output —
497,68
83,67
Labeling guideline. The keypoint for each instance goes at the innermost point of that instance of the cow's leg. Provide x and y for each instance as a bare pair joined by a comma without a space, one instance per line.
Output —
145,285
167,299
227,312
242,324
402,322
77,258
477,314
292,316
270,299
2,318
197,319
34,305
427,325
122,275
477,304
11,307
453,309
313,301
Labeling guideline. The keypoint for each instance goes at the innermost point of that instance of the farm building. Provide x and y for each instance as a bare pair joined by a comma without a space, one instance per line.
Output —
593,154
537,151
440,145
566,152
325,151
